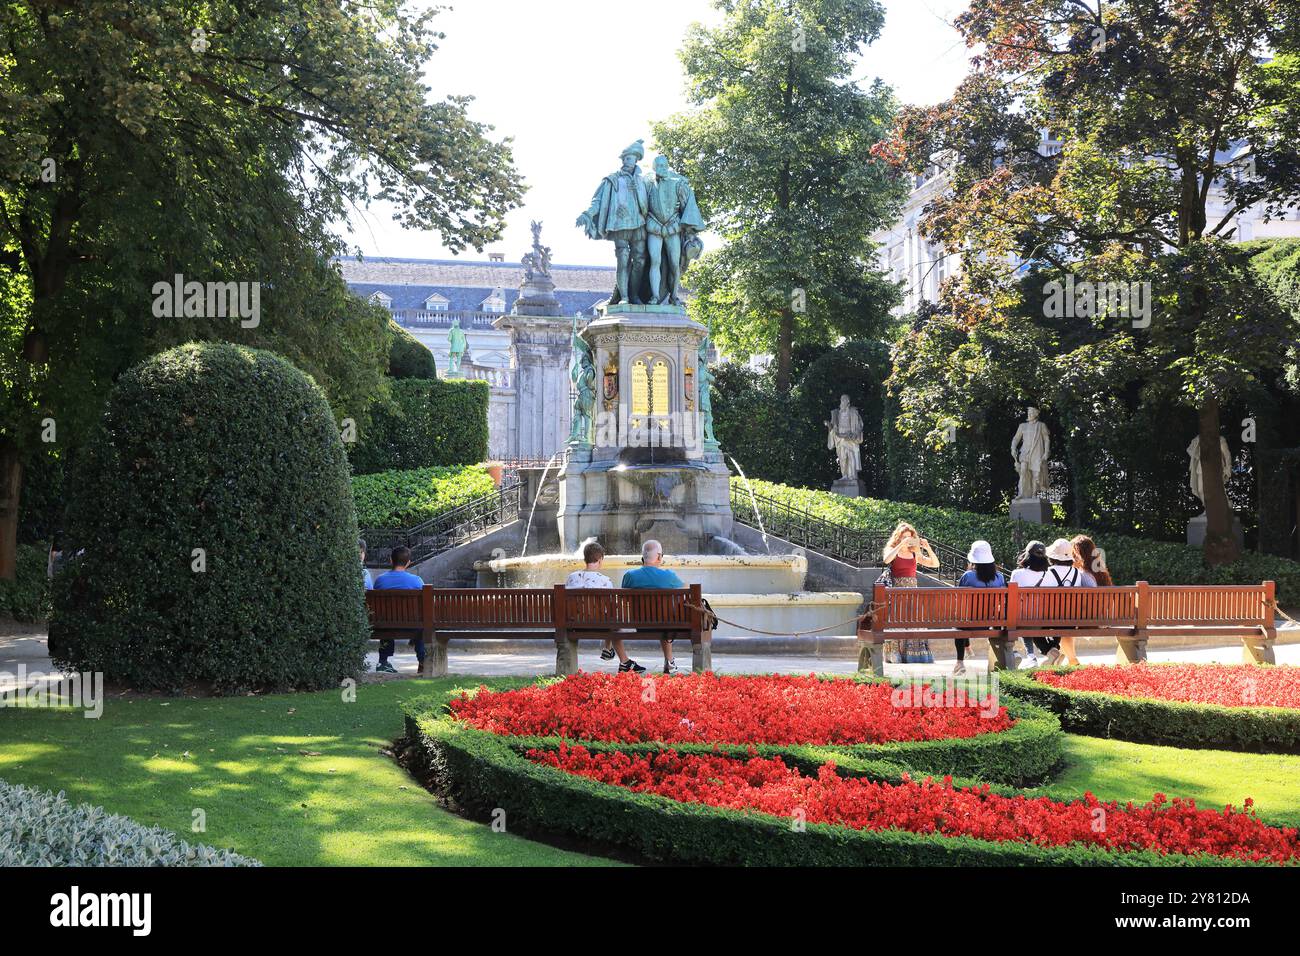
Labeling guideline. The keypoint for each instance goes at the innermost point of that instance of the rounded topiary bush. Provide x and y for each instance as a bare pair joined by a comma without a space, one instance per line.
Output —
212,531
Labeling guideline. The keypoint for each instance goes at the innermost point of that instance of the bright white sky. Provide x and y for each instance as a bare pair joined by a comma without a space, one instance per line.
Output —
549,75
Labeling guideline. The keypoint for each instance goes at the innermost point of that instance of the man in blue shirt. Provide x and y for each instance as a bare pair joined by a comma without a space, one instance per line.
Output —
652,575
399,579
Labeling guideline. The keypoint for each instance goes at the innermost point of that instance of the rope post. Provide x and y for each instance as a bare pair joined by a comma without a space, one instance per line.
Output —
566,651
1133,650
701,639
1000,645
871,644
1258,648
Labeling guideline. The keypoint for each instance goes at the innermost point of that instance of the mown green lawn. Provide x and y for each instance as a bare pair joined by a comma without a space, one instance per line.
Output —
1118,770
241,761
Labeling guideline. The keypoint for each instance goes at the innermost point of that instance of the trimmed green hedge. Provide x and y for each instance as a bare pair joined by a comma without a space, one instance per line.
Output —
1170,723
213,530
1130,559
403,499
407,355
1023,755
425,423
485,773
27,596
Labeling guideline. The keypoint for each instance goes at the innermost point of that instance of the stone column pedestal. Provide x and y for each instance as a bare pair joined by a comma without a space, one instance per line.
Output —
1196,531
1034,510
1000,654
848,487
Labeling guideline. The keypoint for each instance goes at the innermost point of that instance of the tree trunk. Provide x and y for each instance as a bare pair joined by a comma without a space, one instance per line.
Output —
1220,543
784,351
11,483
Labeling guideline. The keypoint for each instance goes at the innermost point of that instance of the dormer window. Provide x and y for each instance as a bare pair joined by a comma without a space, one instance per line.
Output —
436,303
496,302
380,299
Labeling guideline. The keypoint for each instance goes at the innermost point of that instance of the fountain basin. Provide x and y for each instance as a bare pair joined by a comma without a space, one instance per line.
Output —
763,575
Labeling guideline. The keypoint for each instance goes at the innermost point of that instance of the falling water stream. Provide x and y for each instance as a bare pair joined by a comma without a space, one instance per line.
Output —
753,503
533,509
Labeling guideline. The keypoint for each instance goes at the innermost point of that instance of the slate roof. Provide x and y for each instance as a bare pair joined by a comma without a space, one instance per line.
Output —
470,274
469,299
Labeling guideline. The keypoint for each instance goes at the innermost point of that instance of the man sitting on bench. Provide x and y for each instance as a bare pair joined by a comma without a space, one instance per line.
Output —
399,579
651,575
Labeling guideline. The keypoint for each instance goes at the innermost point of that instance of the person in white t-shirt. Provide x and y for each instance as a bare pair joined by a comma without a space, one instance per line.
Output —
1058,572
590,577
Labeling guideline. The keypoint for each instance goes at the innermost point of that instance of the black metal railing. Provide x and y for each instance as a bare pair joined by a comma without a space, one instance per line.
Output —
853,546
452,528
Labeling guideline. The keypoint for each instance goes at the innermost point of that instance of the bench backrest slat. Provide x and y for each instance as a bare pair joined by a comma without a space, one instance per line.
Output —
1104,606
1201,604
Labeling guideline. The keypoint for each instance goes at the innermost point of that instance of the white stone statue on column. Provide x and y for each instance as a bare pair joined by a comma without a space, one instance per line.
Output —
844,437
1031,449
1196,481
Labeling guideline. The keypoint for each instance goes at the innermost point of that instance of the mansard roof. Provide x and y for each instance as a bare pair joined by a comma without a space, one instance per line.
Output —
470,299
392,271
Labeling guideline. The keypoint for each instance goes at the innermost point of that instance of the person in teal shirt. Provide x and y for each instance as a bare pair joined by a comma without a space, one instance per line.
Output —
652,575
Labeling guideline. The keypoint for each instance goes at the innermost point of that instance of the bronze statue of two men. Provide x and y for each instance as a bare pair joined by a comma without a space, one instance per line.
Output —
653,221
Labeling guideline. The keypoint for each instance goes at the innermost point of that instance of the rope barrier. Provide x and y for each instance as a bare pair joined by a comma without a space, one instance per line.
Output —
758,630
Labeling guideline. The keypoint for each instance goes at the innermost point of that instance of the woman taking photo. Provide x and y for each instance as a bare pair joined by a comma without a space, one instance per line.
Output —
983,573
904,551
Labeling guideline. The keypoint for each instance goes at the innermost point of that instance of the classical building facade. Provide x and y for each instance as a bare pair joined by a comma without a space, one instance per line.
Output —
523,356
922,266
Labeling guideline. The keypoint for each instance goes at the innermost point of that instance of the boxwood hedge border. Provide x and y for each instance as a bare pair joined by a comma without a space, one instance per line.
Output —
486,773
1169,723
1025,754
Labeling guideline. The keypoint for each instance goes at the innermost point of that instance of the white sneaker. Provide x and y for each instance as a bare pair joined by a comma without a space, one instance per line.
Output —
959,669
671,668
1030,661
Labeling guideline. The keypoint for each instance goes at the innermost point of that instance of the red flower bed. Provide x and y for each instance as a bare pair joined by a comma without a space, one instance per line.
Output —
769,786
709,708
1228,685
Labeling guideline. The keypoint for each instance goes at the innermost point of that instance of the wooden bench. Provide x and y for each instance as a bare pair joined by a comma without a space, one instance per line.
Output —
557,614
1132,615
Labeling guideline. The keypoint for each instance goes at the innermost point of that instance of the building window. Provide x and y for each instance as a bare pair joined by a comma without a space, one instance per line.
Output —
380,299
435,303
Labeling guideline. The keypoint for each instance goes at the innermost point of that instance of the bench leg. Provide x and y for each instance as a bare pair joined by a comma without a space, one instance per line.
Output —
1000,656
702,657
1131,650
1257,649
871,658
566,658
435,659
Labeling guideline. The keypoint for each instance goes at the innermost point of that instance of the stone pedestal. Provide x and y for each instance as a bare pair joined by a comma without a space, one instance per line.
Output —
1196,531
848,487
649,473
1035,510
541,379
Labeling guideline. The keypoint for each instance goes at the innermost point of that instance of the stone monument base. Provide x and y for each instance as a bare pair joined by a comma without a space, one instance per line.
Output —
1196,531
848,487
622,501
1033,510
